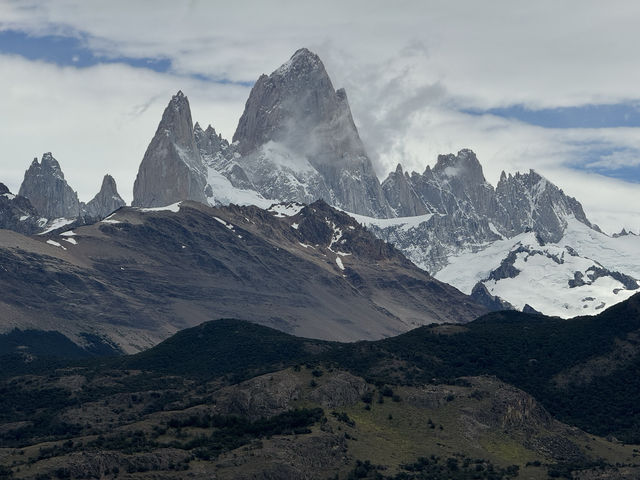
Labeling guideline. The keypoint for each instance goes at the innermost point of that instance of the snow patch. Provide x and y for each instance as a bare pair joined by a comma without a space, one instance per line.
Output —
339,262
225,193
228,225
55,244
281,156
405,223
71,240
493,228
175,208
546,270
57,223
288,209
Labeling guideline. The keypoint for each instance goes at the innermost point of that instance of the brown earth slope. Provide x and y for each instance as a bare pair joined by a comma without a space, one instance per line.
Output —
142,274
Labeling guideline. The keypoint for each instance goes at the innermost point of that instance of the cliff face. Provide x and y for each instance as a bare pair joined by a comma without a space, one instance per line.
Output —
299,142
172,169
48,191
106,201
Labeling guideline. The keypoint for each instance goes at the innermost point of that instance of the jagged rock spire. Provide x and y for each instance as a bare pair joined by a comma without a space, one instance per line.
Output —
48,191
172,169
106,201
401,195
296,114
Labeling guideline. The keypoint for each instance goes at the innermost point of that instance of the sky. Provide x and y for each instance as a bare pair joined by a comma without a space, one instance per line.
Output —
547,85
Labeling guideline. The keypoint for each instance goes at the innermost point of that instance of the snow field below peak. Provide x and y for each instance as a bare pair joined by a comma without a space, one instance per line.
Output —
545,271
224,193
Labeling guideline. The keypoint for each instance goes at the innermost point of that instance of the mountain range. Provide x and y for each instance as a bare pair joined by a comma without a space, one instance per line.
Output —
522,244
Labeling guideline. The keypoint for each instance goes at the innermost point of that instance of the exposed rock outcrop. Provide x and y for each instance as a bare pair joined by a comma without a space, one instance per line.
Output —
172,169
530,201
401,195
471,213
17,213
106,201
298,140
48,191
219,155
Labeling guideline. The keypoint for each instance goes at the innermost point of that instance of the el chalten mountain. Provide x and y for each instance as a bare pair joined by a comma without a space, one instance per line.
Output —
523,243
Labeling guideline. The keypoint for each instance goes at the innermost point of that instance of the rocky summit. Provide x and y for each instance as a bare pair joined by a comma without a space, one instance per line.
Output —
48,191
529,201
172,169
46,202
106,201
467,212
297,129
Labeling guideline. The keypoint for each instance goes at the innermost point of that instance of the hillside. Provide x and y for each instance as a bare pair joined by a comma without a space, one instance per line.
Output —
141,275
240,400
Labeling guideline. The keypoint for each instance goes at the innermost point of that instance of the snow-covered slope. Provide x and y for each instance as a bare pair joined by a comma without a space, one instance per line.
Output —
583,273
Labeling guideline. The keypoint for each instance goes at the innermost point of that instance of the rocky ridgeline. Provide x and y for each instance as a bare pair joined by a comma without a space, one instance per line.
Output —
468,212
295,141
219,155
457,186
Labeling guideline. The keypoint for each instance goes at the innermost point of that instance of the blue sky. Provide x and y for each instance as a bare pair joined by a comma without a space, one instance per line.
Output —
556,93
74,51
68,51
582,116
594,154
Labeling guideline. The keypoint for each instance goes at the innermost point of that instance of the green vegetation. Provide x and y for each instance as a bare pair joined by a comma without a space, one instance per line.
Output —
233,348
139,404
434,468
524,350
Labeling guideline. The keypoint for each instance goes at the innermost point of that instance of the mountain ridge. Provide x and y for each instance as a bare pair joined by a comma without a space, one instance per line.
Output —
141,274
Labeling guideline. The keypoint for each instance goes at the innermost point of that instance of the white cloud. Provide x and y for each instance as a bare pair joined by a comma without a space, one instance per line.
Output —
617,160
544,53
